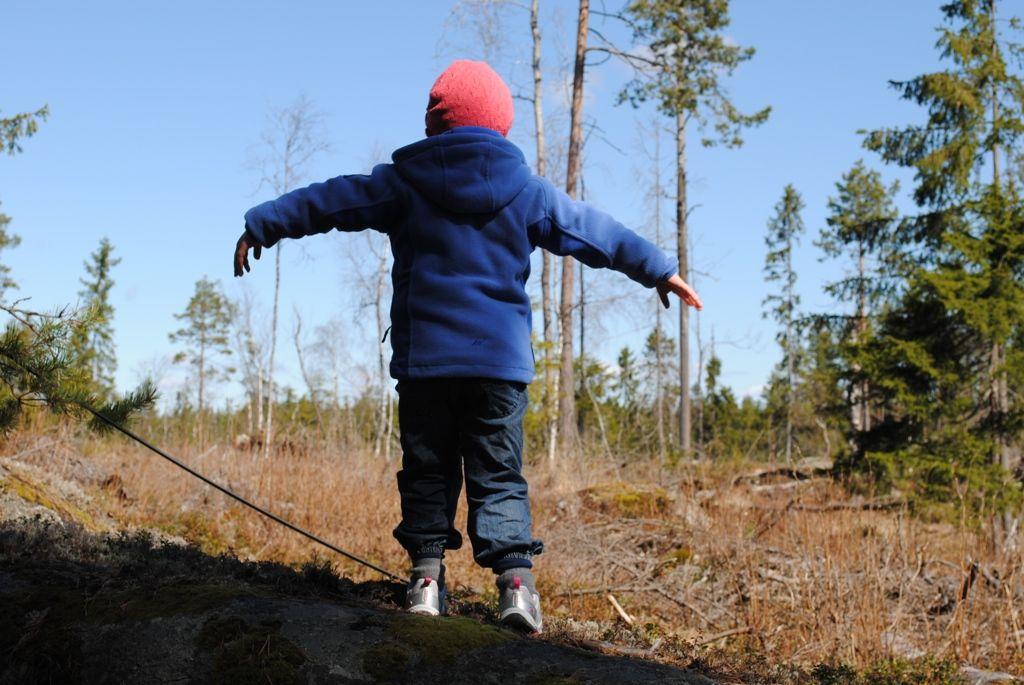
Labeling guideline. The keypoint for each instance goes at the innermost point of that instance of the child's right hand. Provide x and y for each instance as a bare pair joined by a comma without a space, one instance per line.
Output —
241,256
681,288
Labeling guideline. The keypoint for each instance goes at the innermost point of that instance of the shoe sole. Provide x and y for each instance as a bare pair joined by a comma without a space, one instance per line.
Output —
519,620
423,610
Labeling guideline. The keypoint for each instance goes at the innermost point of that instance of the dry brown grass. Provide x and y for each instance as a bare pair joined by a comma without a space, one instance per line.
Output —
686,552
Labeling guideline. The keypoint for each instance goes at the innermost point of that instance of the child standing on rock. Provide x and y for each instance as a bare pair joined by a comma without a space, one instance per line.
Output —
463,213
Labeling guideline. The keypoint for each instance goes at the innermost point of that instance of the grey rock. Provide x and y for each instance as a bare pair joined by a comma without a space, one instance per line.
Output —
81,607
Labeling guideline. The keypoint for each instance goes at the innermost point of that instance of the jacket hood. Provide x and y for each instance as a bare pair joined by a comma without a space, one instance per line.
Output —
467,170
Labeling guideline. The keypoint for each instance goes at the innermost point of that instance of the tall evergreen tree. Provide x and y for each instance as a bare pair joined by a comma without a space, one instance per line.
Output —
7,241
206,336
627,384
12,131
659,350
966,279
860,232
93,340
688,56
821,405
718,411
784,230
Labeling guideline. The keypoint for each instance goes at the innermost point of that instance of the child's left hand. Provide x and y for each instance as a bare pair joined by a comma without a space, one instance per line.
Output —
682,289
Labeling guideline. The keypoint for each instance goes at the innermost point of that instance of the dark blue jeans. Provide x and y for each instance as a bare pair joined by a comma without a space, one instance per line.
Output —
472,425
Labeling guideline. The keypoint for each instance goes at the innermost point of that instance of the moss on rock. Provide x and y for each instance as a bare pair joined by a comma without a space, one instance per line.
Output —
387,661
44,622
34,493
410,639
166,600
441,640
244,653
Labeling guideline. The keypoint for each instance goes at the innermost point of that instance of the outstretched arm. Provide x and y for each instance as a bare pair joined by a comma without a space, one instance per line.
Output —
347,203
572,228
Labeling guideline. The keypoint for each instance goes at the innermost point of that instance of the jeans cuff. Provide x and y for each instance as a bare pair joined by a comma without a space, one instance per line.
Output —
513,560
433,550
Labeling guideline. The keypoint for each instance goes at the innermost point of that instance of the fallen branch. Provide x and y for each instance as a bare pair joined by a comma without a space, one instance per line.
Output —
870,505
602,645
788,485
763,474
619,610
803,470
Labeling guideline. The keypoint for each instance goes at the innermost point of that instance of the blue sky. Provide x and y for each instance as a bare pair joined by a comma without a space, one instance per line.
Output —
156,108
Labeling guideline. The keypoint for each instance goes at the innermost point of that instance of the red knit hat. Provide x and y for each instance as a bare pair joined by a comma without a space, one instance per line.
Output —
469,94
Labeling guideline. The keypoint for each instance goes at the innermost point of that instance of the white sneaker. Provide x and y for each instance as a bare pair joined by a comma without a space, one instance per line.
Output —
425,596
519,608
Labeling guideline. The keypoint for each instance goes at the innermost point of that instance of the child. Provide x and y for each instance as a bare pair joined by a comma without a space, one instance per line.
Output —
463,213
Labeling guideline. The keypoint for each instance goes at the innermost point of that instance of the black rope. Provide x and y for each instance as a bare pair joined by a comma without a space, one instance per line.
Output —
212,483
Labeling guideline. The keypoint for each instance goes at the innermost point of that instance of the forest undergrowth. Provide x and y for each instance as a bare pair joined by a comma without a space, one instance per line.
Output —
742,567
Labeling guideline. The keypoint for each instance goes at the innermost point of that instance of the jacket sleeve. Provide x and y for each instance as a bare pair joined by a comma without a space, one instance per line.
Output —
347,203
578,230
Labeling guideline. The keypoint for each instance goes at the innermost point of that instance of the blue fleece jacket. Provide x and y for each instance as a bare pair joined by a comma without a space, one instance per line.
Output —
463,213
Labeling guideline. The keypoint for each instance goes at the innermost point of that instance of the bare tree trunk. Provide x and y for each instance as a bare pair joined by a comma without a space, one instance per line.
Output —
389,419
790,349
582,304
1006,525
335,387
659,395
259,398
861,409
685,432
268,435
553,427
294,138
584,379
381,440
1006,454
700,387
550,406
252,364
659,383
865,390
789,406
567,384
202,388
248,416
310,386
581,429
327,346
